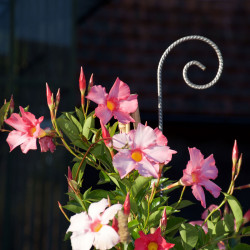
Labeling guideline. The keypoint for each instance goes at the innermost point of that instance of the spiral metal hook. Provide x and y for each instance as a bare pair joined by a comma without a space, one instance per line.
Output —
185,69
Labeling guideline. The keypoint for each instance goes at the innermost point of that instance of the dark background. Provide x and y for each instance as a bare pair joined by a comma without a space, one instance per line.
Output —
47,41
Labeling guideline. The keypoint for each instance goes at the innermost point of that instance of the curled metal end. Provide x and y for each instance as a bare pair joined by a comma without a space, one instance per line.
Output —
185,70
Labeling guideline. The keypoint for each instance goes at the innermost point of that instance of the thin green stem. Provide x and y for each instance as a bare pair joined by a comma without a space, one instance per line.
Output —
180,199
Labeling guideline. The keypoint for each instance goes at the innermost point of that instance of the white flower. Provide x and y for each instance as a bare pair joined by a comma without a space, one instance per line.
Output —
93,229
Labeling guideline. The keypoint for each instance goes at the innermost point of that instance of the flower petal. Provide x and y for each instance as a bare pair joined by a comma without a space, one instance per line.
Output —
106,238
17,123
158,153
122,117
144,136
103,113
196,157
160,138
146,169
209,169
129,105
30,143
211,187
97,94
123,163
198,193
81,241
120,141
79,223
16,138
96,208
110,213
28,117
120,90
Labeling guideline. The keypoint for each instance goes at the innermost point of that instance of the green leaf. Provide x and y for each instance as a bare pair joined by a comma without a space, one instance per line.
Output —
139,184
81,171
104,178
116,179
73,208
113,129
67,236
77,123
246,230
174,223
189,236
98,194
229,222
242,246
183,204
220,228
154,218
132,224
157,202
88,124
80,115
236,208
3,112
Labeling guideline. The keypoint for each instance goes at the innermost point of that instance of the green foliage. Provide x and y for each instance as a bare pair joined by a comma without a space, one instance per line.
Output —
4,112
189,236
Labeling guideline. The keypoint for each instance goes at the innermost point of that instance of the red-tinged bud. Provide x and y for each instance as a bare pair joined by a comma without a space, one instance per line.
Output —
69,174
60,207
109,202
235,153
115,224
238,165
91,81
49,96
12,105
126,205
58,97
105,134
163,221
246,217
82,81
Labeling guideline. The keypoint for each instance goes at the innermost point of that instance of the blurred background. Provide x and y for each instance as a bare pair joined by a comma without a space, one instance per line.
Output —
48,40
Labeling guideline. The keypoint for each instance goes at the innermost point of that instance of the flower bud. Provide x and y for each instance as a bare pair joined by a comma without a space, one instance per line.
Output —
58,97
49,96
163,221
82,82
105,134
115,224
246,217
235,153
91,81
126,205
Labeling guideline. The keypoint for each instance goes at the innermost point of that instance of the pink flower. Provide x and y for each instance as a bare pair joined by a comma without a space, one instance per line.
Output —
152,241
27,131
197,174
118,103
92,228
46,144
139,150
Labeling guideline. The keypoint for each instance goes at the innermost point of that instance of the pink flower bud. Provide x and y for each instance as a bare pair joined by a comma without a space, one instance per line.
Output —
105,134
69,174
126,205
49,96
82,81
91,81
163,222
58,97
235,152
246,217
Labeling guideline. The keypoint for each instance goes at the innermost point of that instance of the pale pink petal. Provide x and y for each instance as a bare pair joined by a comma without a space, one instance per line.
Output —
144,136
29,144
79,223
16,138
46,144
196,157
27,116
209,209
161,140
198,193
81,241
103,113
129,105
95,209
158,153
110,213
187,179
17,123
122,117
146,169
121,140
120,90
106,238
97,94
211,187
123,163
209,169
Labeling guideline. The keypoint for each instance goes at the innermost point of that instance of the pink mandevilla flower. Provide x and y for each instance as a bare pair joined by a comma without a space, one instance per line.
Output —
139,149
197,174
46,144
92,228
27,131
152,241
118,103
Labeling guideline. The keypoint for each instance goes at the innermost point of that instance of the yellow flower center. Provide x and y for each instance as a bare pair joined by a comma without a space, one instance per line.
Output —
32,130
152,246
194,177
110,105
96,226
136,156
